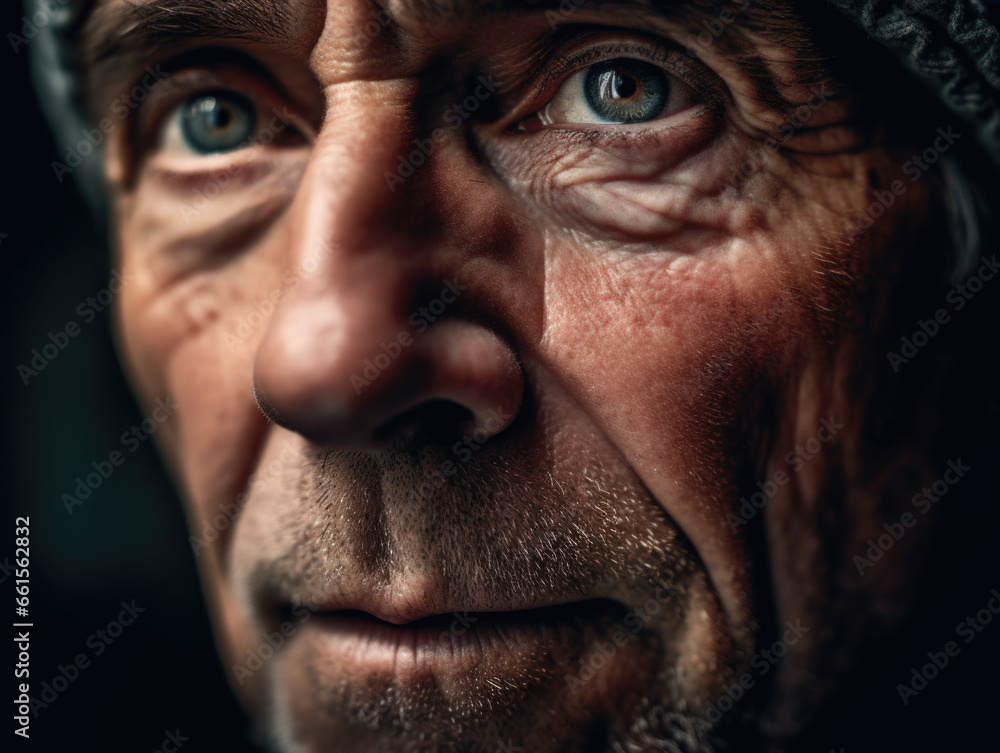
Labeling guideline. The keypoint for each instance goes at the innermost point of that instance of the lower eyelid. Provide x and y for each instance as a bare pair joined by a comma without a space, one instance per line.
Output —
540,168
195,180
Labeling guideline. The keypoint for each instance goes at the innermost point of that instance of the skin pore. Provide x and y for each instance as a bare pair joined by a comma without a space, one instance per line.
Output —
625,331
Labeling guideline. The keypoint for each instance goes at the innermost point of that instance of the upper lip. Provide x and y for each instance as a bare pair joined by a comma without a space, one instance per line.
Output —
404,613
404,605
549,613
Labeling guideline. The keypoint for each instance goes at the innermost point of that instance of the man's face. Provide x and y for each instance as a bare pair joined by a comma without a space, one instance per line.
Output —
481,321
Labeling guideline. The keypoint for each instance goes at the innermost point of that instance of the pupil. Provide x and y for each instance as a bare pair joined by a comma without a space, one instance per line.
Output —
625,87
223,118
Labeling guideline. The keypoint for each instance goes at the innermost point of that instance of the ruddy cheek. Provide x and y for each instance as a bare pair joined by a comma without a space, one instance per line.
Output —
667,357
664,350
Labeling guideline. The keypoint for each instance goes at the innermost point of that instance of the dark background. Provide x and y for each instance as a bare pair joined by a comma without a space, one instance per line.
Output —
128,540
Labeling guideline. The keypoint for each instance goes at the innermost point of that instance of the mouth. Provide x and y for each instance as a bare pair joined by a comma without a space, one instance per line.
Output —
464,645
463,676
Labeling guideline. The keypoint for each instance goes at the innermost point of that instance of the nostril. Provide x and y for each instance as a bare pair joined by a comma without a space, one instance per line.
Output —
439,421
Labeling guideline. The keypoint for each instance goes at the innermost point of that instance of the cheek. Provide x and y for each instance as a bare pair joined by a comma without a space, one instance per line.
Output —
189,323
181,340
192,337
663,350
218,425
668,357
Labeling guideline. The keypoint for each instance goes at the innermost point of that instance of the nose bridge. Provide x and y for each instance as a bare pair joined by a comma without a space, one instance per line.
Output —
348,270
349,349
344,195
352,251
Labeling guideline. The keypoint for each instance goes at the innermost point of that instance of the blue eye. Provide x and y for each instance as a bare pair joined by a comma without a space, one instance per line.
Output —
217,122
626,90
618,91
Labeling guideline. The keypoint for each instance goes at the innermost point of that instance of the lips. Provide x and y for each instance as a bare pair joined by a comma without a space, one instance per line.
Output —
540,677
455,644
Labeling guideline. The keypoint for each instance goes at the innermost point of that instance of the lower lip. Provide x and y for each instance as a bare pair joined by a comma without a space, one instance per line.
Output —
489,643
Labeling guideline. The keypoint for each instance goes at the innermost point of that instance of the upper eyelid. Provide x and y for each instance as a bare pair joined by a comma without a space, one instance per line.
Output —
190,80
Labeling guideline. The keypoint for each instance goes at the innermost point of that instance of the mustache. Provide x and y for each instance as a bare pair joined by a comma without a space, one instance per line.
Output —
497,522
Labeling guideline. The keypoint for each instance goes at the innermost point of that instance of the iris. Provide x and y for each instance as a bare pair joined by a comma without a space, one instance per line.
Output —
626,91
217,122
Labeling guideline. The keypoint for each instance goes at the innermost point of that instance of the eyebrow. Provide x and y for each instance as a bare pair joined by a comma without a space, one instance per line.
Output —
123,32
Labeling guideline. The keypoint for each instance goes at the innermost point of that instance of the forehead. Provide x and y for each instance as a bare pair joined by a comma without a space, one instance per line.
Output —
114,21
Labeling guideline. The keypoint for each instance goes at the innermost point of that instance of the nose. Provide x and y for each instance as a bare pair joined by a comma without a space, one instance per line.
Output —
378,324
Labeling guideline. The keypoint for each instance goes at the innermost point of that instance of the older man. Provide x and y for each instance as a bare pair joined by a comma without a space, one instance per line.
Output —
555,377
